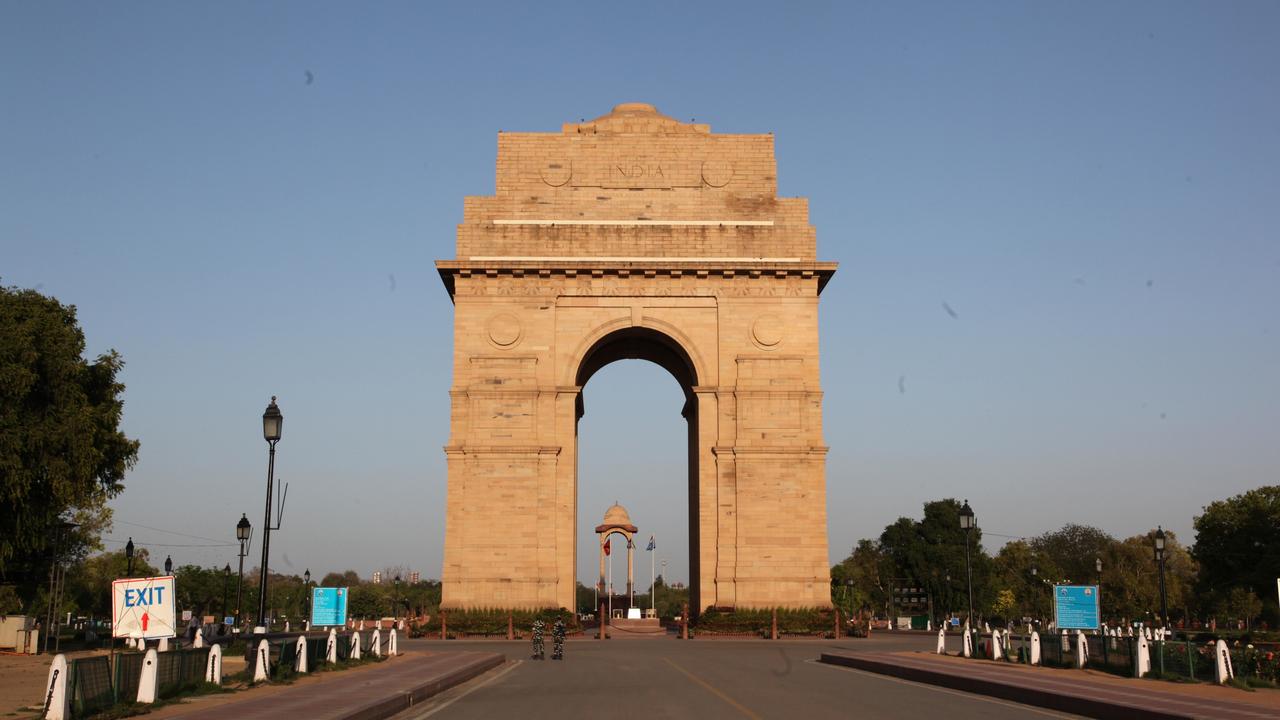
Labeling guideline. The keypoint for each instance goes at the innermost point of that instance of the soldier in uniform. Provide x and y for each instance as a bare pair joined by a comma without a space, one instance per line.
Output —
539,651
557,640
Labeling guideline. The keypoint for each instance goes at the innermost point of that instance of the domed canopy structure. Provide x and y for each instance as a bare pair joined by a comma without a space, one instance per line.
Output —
616,518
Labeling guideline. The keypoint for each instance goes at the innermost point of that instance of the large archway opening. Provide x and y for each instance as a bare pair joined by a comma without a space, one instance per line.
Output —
631,451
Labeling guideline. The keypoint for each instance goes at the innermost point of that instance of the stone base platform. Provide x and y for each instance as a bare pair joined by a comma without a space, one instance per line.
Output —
651,627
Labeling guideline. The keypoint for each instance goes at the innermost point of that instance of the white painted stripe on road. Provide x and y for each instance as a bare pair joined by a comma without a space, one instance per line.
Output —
437,707
948,691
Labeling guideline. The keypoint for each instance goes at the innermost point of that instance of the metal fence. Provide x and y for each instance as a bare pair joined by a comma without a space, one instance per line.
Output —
89,685
128,673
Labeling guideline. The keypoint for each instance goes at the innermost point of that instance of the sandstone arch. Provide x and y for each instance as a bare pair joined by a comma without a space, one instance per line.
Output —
635,235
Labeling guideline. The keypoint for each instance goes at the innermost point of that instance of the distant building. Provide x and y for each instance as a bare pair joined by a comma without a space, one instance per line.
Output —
377,577
414,577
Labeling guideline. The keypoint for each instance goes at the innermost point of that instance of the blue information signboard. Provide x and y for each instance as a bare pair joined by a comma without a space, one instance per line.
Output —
1075,607
328,606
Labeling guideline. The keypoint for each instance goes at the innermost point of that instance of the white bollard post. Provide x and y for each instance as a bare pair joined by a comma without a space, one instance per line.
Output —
392,648
400,625
147,680
986,628
164,645
1144,657
198,642
1222,670
286,626
375,646
1082,649
362,625
942,641
355,645
996,653
331,647
213,669
968,642
263,660
1035,648
928,625
55,698
300,654
306,626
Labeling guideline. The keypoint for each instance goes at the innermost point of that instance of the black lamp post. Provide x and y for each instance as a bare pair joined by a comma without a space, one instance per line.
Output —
243,531
226,581
168,565
395,597
1097,565
128,553
967,524
272,420
306,585
1158,542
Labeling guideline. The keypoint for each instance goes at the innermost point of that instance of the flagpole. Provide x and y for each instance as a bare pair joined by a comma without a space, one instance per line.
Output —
653,578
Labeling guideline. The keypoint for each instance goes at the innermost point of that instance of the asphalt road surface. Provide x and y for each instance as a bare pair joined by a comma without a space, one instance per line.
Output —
668,678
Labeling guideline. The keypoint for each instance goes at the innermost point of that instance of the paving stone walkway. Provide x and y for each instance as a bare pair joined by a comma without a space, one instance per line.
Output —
379,692
1091,694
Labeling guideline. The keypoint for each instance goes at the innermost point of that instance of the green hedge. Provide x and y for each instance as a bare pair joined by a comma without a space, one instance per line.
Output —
493,621
801,621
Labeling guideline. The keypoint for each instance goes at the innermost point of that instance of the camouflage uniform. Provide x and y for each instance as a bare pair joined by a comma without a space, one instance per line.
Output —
539,652
557,637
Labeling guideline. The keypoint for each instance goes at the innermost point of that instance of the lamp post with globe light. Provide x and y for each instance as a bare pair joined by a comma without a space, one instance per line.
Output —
967,524
272,420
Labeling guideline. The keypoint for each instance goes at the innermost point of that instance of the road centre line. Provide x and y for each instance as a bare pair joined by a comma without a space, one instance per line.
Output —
948,691
714,691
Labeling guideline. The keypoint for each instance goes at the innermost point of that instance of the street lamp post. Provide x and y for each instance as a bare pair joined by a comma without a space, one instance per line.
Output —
128,553
395,597
272,420
967,524
1158,542
243,531
226,581
1097,566
306,584
168,565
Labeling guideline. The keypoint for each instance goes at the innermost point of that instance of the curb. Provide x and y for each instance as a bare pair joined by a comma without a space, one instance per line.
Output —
404,699
1047,699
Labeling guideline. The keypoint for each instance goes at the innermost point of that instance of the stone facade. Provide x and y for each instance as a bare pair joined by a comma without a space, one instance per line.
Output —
636,236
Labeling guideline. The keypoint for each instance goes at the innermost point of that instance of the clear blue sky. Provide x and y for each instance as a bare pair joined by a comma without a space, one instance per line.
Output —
1092,188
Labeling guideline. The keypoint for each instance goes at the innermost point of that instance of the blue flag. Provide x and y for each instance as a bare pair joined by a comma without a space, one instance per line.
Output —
652,544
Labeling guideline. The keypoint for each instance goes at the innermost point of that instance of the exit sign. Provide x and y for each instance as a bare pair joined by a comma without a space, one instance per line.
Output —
143,608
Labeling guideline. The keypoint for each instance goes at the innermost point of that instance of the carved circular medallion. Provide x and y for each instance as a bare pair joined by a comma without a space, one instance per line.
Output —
504,330
717,173
766,331
556,174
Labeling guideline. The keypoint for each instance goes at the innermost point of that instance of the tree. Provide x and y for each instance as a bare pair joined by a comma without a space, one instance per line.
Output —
62,454
1071,552
1238,543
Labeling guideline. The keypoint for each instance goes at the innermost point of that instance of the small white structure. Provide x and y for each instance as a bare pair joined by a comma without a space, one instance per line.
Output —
942,641
147,681
1143,660
986,628
997,652
1035,648
1082,649
286,626
1222,670
361,625
164,644
55,703
262,660
355,645
331,647
300,654
198,642
968,642
375,645
392,647
213,669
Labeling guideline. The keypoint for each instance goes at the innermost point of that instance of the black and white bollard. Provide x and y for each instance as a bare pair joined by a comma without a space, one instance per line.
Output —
55,698
213,668
147,680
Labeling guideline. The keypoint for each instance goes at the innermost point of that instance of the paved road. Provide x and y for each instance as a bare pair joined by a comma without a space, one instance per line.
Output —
665,678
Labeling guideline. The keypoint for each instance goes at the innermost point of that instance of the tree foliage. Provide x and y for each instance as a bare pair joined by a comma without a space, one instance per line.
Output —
62,454
1238,541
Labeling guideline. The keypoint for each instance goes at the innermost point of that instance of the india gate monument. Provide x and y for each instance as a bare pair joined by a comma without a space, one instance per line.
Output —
635,235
